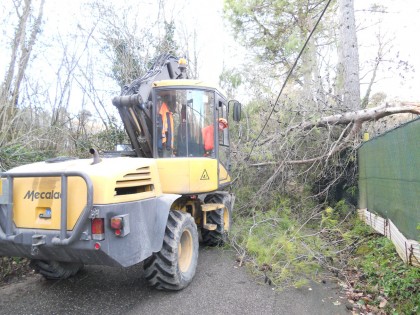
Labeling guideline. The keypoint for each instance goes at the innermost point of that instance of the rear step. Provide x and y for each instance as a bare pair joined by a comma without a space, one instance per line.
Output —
210,207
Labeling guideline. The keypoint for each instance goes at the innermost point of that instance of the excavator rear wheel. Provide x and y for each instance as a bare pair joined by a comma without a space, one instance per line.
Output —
173,268
55,270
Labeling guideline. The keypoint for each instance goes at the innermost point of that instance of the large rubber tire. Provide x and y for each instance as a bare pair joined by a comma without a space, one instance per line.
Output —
55,270
173,268
222,219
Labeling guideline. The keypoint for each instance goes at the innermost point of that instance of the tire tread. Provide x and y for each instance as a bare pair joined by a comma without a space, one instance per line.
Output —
161,269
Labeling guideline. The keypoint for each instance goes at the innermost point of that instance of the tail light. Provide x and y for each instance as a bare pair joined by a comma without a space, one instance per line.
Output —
116,223
98,230
121,225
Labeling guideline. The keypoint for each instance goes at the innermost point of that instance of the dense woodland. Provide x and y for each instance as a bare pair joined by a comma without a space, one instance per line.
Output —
308,103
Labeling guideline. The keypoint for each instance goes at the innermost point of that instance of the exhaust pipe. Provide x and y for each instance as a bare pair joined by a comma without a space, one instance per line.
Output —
96,158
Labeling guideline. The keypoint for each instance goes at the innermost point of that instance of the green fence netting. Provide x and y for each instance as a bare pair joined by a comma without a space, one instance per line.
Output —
389,177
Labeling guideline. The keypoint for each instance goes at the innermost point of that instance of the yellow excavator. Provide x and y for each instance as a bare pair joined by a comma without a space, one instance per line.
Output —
152,202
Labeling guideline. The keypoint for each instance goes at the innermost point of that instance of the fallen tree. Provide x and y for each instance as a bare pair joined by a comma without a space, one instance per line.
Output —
352,121
360,116
317,151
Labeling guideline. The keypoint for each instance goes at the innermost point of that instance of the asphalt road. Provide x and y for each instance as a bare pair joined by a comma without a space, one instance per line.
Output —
219,287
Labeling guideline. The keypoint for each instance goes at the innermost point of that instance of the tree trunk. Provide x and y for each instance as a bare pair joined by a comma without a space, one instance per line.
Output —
309,64
20,54
26,49
362,115
348,67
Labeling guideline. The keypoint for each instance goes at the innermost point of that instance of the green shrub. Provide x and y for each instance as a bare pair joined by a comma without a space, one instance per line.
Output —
275,246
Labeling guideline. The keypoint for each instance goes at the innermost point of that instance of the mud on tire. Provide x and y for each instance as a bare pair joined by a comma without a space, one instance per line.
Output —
219,236
173,268
55,270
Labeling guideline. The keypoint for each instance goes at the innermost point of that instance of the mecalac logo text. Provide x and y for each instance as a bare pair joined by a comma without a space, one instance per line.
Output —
32,194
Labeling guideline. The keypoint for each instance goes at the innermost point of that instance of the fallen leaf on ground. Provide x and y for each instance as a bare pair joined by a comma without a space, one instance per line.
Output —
383,303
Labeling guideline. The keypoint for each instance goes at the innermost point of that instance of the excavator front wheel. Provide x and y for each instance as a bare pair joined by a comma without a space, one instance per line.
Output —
222,218
173,268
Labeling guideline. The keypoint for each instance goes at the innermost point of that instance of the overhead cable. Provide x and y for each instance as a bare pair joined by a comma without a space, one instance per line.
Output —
288,76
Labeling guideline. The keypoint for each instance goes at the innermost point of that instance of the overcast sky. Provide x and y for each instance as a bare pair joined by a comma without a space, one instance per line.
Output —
401,24
205,16
217,47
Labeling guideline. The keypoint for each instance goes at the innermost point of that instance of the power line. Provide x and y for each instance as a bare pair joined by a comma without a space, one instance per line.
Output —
288,76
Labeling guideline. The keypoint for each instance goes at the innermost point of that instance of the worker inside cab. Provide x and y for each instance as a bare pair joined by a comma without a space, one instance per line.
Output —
196,108
208,136
165,126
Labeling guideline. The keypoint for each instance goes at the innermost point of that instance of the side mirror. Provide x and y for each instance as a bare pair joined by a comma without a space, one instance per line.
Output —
237,108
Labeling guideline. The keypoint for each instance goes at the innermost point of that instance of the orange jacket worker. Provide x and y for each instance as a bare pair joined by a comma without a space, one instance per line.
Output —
208,135
167,120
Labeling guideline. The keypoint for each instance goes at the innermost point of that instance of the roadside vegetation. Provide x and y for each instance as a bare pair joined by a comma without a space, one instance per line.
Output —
283,248
378,281
13,269
295,224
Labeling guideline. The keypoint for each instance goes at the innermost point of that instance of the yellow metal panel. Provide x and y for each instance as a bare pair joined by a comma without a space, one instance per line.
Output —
43,193
33,197
224,177
120,173
212,206
188,175
203,175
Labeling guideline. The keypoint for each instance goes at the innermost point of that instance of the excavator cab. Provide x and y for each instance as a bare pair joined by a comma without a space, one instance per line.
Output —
182,123
185,120
191,128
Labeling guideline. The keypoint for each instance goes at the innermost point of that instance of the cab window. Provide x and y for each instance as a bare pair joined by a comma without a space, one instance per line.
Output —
185,123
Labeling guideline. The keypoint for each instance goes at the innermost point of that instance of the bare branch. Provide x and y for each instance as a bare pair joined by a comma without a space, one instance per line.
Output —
364,115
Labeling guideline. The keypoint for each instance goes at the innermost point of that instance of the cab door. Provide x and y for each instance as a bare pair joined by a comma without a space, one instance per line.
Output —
222,136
